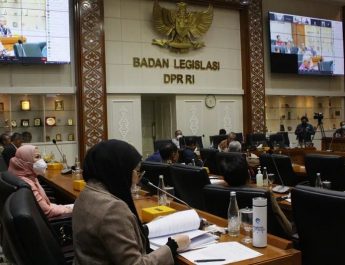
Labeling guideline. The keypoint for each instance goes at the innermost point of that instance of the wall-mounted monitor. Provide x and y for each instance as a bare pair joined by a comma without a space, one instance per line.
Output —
305,45
35,31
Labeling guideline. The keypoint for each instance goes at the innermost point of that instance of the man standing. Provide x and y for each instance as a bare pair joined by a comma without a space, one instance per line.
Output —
304,131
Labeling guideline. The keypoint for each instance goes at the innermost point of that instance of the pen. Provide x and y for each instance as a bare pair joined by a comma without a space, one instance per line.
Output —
208,260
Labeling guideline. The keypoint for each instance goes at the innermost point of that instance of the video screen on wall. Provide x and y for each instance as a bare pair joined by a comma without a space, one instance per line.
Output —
35,31
305,45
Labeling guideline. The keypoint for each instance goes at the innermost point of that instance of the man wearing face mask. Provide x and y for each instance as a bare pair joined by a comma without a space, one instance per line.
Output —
176,140
304,131
340,133
27,164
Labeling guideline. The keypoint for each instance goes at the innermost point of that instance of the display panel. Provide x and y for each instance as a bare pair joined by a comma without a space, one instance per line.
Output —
35,31
305,45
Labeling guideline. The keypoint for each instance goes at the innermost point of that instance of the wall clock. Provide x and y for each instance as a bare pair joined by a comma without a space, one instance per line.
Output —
210,101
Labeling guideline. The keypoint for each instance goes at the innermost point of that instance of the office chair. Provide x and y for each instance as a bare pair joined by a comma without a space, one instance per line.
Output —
233,166
239,137
276,140
286,138
30,238
326,66
319,218
255,139
331,168
160,143
188,182
208,156
217,198
27,50
152,172
3,166
185,140
216,139
283,164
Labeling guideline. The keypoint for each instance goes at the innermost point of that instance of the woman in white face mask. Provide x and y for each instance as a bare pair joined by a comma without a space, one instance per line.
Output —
27,165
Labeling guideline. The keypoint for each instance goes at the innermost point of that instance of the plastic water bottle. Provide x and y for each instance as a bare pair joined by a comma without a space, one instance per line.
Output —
233,216
259,222
265,177
318,182
162,197
259,179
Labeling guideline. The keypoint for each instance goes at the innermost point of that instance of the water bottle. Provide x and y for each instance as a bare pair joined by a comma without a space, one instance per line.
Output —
318,182
265,177
193,162
162,197
259,178
233,216
259,222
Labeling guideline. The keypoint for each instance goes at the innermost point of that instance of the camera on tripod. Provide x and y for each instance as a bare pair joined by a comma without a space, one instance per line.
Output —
318,116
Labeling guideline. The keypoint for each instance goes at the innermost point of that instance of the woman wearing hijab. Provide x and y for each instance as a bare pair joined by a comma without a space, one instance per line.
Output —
27,164
106,226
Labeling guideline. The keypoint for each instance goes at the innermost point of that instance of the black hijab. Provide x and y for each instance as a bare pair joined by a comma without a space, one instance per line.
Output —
112,163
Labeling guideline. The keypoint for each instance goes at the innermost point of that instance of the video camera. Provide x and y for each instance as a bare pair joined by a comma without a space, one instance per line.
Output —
318,116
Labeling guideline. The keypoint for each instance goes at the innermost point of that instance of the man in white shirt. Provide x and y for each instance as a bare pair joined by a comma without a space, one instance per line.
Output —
176,140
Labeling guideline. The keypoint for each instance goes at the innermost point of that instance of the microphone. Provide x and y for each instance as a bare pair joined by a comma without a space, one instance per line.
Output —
66,169
145,181
279,188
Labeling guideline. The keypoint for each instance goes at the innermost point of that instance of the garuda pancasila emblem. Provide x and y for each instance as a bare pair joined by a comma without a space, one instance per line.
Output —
183,28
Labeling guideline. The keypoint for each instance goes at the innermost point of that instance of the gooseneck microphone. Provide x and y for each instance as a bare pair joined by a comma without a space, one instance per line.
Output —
279,188
66,169
145,181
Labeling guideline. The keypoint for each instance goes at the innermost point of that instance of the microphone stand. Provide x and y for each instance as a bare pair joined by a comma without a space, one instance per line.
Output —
279,188
330,145
66,169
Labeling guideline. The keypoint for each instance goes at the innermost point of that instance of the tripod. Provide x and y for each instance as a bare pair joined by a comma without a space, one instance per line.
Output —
322,130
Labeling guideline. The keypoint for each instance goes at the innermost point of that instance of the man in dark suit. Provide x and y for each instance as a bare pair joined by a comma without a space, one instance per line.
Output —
10,150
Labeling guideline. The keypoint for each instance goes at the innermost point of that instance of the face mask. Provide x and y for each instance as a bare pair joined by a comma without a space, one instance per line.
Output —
40,167
179,136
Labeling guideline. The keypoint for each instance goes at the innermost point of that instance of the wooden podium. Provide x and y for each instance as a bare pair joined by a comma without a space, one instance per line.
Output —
334,144
8,42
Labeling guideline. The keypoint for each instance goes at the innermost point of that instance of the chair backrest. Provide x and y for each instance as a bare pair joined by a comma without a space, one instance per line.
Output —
160,143
286,138
185,140
217,198
276,140
216,139
152,172
255,139
27,50
232,164
3,166
331,167
30,239
239,137
189,182
283,164
208,156
319,218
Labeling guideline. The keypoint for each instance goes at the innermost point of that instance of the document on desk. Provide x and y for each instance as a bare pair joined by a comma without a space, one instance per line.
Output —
183,222
228,252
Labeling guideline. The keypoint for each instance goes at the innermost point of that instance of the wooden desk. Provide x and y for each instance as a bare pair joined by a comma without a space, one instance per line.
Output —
338,144
279,251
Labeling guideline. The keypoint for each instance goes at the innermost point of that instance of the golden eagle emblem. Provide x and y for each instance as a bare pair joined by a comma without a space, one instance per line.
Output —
183,28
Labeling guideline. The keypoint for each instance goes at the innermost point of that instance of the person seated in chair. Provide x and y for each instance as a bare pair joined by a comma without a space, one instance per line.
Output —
106,225
176,140
10,150
5,140
224,145
189,156
169,153
27,164
340,133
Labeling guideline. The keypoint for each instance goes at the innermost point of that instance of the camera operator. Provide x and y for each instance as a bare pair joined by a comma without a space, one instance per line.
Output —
304,131
340,133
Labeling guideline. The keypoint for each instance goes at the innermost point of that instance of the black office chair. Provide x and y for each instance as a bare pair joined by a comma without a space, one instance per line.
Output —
3,166
283,164
208,156
30,238
286,138
239,137
152,172
160,143
276,140
189,182
319,218
331,168
216,139
217,198
255,139
233,166
185,140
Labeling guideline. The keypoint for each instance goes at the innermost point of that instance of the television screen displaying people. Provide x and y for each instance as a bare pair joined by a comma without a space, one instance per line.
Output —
305,45
35,31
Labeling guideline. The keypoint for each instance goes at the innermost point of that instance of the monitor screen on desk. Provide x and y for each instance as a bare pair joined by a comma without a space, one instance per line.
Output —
305,45
35,32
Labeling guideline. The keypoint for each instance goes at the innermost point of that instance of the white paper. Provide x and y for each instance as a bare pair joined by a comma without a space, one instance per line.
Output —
230,251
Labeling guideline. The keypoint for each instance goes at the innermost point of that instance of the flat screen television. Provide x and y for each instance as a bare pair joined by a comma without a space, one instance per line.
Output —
305,45
35,31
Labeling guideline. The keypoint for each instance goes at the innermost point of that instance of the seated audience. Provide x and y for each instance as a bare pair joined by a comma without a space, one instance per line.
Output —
27,137
176,140
10,150
233,172
222,132
235,146
5,139
169,153
106,225
155,157
27,165
188,154
339,133
224,145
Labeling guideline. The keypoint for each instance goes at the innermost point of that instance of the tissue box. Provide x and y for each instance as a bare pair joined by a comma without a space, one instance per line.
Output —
150,213
79,184
55,166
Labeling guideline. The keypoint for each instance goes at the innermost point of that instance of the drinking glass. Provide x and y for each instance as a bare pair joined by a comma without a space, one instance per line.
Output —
247,223
169,190
135,191
271,178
